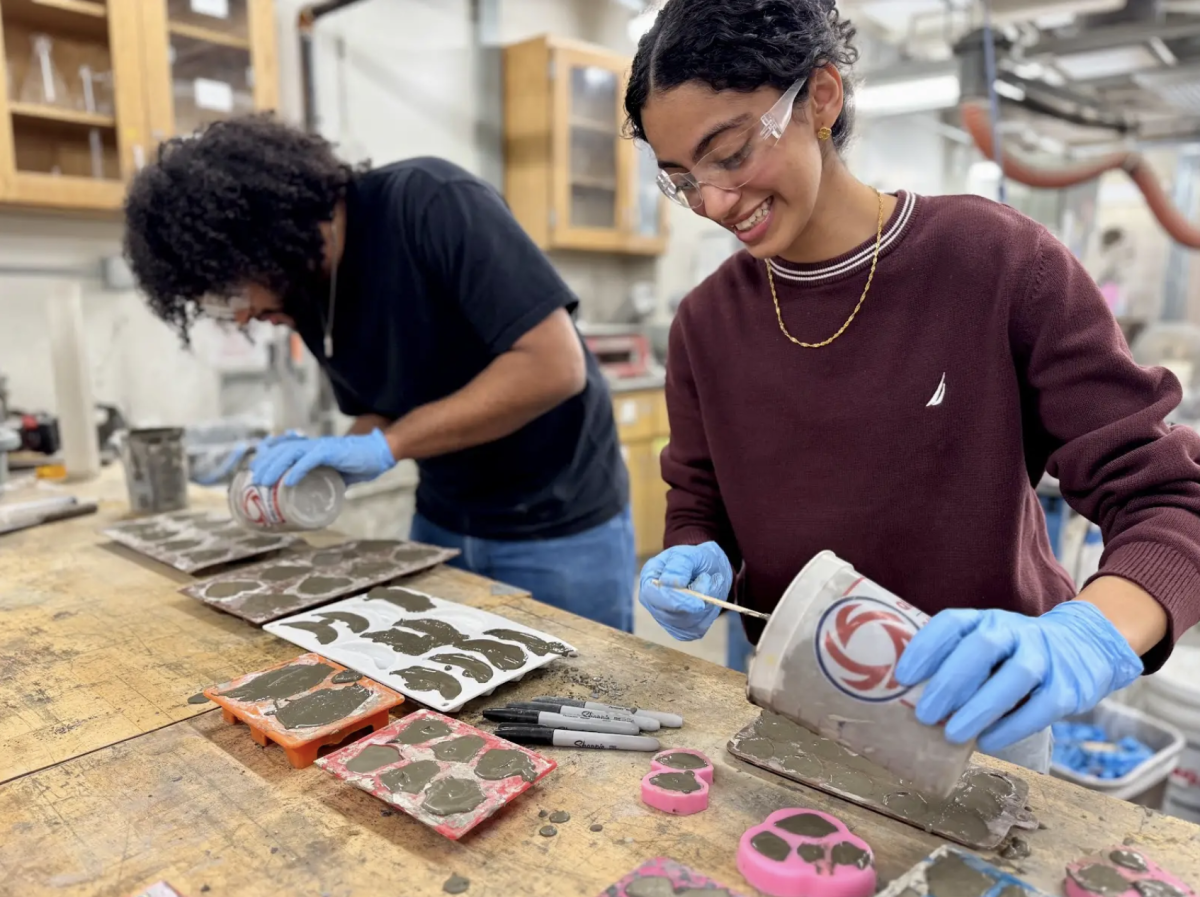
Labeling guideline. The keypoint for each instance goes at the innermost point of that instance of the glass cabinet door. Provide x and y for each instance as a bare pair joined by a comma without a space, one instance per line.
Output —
215,60
227,17
647,216
212,75
209,82
593,155
588,151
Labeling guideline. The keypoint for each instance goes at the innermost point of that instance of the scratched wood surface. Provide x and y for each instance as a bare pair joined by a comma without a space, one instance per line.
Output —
198,803
153,788
96,643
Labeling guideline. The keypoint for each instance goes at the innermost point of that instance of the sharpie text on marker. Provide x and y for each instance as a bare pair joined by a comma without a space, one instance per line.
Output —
539,735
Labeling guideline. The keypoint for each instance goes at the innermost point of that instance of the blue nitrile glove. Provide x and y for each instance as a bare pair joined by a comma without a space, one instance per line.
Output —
213,466
983,663
272,441
356,458
701,568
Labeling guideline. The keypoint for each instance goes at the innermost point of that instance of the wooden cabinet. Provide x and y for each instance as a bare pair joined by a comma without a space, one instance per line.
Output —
571,178
90,87
202,67
643,430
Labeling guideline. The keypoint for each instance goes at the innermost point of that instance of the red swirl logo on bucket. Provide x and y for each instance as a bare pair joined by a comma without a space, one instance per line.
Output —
859,642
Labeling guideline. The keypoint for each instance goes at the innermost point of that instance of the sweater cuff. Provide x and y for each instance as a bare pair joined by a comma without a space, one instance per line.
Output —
1170,578
688,535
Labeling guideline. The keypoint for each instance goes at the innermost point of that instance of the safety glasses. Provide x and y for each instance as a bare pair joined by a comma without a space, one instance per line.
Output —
225,308
734,158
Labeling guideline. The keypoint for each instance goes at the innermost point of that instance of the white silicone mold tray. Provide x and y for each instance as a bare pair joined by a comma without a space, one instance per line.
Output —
438,652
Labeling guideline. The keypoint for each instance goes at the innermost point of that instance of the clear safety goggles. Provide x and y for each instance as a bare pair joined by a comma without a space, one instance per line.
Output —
734,158
225,308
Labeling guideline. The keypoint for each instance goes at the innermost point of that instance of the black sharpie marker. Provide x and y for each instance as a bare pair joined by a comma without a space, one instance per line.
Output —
645,723
557,721
539,735
670,720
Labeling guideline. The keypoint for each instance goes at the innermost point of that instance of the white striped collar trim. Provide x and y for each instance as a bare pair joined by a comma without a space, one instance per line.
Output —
862,257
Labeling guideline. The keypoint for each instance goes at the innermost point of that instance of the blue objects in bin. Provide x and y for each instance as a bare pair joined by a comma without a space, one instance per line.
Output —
1087,750
915,880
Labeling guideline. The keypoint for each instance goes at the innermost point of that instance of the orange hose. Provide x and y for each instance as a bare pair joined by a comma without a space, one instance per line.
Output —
977,122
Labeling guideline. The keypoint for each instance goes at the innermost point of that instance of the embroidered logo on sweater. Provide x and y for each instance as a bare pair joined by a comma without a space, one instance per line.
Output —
938,395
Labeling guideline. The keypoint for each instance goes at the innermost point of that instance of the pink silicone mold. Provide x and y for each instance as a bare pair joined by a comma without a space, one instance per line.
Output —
803,853
665,876
1122,872
678,782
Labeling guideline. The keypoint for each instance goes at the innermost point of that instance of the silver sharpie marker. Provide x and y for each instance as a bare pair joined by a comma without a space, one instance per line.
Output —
670,720
645,723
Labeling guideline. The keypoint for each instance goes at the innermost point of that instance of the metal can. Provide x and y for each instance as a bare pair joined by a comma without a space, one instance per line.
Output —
313,503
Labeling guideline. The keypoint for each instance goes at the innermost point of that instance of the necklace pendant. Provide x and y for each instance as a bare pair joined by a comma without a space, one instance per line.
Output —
329,345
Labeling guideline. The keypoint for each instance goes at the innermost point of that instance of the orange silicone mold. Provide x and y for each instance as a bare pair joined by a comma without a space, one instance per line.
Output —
304,704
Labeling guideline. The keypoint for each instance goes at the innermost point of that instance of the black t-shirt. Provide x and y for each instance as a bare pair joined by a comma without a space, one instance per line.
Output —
437,280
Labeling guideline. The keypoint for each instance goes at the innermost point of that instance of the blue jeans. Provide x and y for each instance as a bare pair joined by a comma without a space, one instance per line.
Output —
590,574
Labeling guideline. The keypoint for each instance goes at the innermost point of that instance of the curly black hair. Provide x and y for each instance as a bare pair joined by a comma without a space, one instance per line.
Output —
238,202
742,45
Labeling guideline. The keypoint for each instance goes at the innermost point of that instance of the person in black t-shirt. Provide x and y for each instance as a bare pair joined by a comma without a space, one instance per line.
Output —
444,331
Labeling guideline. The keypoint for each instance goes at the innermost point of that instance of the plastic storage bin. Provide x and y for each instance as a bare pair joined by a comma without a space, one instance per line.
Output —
1173,695
1118,721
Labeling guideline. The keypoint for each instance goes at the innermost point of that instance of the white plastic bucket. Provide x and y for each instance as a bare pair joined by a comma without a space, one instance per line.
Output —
827,660
1173,695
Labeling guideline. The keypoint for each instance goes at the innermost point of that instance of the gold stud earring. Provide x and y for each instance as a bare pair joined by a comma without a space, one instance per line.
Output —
824,134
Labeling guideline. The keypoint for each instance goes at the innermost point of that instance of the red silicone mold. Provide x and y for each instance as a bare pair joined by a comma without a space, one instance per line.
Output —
803,853
678,782
1104,872
424,760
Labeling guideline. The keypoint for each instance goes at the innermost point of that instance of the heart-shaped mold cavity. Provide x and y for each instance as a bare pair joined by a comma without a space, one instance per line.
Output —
678,782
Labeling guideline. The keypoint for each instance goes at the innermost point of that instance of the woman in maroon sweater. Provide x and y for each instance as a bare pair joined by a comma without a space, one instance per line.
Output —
889,377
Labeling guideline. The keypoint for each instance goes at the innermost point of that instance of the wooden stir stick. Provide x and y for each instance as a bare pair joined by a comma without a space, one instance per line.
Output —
727,605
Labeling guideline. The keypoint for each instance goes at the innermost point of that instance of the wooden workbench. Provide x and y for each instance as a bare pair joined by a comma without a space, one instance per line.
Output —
112,781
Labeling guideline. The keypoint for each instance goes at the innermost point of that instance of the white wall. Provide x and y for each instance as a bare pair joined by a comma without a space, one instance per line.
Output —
900,153
402,78
136,361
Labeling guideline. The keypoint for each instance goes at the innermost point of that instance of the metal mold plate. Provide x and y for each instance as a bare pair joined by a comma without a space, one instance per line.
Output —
300,580
979,813
194,540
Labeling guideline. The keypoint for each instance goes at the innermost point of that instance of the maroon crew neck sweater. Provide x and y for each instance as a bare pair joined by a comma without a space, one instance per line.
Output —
983,356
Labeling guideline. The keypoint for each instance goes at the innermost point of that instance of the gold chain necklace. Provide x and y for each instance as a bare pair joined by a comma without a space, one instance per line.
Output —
861,299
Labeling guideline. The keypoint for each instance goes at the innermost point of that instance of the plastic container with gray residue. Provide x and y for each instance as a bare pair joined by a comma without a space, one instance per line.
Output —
156,471
827,659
